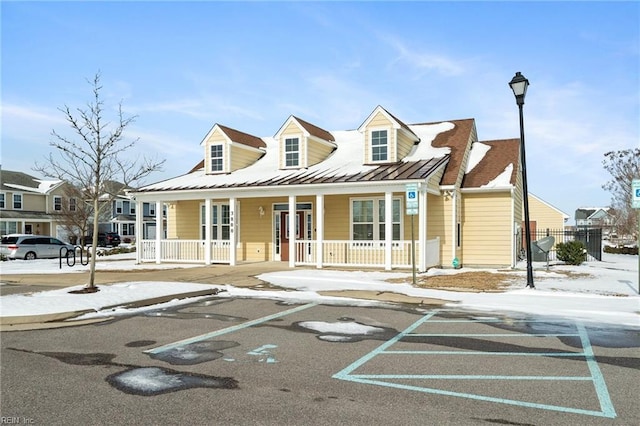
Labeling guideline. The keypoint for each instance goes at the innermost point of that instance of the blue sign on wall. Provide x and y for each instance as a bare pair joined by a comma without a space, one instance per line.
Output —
635,191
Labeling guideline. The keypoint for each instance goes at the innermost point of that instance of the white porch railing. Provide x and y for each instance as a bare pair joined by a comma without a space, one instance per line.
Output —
184,251
365,253
334,252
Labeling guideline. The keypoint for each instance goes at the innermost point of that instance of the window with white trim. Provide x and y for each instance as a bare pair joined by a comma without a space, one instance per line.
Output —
17,201
367,219
220,222
152,209
57,203
379,146
118,206
2,200
216,157
73,204
132,207
292,152
128,229
8,227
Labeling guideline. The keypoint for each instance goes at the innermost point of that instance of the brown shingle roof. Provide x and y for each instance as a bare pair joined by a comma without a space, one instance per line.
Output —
242,137
315,130
496,160
456,139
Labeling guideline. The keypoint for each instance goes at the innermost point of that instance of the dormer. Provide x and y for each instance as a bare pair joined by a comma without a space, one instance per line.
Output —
227,150
386,139
302,144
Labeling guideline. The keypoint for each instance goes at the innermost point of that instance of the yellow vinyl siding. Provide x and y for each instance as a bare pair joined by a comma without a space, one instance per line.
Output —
317,152
184,220
241,157
380,121
544,215
405,143
439,225
256,232
33,202
293,131
216,138
487,229
434,181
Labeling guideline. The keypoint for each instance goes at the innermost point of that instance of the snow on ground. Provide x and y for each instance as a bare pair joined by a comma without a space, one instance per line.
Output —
605,292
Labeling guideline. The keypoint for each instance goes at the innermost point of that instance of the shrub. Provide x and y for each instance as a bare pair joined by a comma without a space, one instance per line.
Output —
572,252
621,249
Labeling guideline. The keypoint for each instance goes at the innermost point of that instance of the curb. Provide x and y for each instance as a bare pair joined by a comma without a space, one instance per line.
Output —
65,319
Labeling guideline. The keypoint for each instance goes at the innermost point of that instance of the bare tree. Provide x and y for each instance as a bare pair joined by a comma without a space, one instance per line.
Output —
624,166
95,156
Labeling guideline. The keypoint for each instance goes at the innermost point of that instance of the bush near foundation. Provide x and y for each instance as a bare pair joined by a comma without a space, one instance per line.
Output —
572,252
621,249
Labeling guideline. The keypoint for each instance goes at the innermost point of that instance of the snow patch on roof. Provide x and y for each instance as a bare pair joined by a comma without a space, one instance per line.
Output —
43,187
477,153
427,134
503,179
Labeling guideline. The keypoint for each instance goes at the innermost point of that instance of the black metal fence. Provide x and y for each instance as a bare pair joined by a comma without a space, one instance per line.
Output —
591,238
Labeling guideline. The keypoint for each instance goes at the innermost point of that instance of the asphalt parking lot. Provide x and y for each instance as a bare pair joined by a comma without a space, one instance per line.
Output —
242,361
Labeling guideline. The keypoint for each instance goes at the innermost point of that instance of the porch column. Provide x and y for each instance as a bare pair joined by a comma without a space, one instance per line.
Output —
233,235
139,231
388,229
207,231
292,230
159,231
422,230
319,229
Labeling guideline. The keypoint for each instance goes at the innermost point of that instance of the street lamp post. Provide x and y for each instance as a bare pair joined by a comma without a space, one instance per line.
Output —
519,85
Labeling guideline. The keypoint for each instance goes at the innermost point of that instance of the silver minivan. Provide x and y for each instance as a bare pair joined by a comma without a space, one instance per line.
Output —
29,247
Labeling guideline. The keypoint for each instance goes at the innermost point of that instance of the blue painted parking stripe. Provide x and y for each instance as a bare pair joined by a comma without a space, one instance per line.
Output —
231,329
491,335
483,398
598,380
462,352
463,377
596,377
344,374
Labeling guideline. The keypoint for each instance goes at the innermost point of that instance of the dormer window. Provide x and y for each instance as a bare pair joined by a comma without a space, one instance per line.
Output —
292,152
217,164
379,145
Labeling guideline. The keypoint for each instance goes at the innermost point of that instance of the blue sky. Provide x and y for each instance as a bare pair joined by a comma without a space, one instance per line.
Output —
181,67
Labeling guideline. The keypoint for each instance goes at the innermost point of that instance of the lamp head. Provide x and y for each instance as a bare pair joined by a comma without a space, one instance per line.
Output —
519,85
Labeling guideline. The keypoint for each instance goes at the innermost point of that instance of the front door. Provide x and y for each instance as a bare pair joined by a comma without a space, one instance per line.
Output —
284,232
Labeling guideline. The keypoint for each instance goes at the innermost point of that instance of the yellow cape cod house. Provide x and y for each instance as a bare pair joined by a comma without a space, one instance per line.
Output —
308,196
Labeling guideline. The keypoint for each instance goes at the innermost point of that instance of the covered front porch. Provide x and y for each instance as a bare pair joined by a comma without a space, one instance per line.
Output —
255,225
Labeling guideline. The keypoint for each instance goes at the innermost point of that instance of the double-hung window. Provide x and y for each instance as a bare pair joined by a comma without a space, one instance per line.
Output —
118,207
216,158
2,201
73,204
57,203
220,222
379,146
368,219
292,152
17,201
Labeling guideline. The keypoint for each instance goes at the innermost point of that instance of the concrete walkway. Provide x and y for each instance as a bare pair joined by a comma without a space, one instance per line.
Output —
243,275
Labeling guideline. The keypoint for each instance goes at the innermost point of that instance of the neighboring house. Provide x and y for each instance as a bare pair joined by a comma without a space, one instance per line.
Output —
123,218
308,196
544,217
120,217
32,206
595,217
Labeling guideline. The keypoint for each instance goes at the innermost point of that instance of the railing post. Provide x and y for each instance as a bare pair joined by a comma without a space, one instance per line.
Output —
319,230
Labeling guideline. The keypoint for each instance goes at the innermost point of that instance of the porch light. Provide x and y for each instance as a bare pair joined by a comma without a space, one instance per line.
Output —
519,85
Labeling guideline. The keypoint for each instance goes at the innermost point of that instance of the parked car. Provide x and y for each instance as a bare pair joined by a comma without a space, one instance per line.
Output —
29,247
105,239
